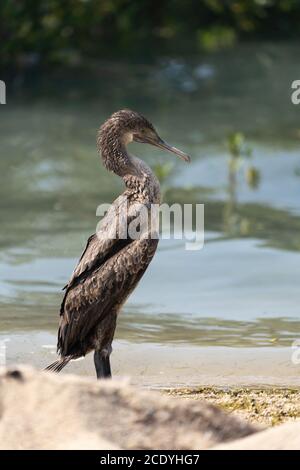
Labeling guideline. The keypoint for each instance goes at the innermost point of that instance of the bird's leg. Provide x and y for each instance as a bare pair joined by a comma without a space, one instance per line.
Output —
102,364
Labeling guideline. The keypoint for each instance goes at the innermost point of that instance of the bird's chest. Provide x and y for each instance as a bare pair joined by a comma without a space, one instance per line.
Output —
143,190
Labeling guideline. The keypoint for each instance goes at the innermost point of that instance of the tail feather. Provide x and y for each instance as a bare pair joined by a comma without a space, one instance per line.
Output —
58,365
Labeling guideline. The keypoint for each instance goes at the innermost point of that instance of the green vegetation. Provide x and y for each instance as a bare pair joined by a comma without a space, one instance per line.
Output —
54,32
267,406
240,154
163,172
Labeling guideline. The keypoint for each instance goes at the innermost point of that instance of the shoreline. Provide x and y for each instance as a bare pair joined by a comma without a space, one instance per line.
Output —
167,366
261,406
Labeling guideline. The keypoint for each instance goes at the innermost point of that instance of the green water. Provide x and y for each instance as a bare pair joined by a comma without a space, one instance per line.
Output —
242,289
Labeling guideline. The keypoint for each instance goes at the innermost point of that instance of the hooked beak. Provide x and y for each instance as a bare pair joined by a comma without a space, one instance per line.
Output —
163,145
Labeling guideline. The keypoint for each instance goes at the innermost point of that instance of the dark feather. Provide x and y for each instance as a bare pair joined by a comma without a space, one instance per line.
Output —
58,365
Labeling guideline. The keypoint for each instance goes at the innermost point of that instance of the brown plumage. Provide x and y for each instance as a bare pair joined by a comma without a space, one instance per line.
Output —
110,268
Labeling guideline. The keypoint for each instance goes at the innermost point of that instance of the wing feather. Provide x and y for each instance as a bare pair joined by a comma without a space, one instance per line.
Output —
102,292
100,246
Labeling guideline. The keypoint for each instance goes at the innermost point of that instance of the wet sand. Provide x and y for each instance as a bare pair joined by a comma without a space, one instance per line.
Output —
155,366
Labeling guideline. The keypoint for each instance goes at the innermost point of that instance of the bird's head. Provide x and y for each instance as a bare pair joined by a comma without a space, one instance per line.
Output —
138,129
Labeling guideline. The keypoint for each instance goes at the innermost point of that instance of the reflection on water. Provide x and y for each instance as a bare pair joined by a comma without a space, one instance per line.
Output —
242,289
184,329
234,292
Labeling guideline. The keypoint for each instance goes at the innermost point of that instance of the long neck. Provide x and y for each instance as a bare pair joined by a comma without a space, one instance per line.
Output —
112,147
137,176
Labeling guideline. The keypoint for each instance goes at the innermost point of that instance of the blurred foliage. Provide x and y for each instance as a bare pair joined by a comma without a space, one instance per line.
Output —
163,172
253,177
240,153
53,32
237,145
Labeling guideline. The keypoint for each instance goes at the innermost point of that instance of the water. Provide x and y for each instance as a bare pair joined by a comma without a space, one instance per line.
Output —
242,290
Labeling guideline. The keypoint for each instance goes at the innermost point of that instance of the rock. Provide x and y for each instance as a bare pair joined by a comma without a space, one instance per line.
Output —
41,410
283,437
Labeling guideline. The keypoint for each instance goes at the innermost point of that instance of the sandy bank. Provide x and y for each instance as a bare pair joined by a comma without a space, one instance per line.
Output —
40,410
